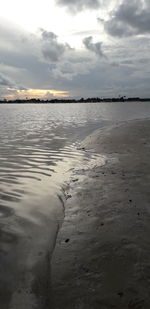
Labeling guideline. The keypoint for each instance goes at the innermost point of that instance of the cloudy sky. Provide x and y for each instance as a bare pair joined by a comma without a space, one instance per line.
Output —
74,48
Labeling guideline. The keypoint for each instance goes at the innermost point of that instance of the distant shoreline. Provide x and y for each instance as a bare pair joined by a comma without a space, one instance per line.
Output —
82,100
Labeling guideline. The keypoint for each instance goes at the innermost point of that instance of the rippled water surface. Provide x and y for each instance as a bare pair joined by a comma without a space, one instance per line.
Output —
35,139
38,146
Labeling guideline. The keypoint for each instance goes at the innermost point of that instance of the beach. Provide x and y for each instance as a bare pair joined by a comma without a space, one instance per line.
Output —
101,258
74,206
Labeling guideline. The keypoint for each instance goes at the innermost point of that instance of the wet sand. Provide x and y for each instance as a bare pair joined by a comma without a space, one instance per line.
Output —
102,255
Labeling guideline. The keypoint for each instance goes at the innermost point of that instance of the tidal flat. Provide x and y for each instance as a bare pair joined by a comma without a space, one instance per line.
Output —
101,259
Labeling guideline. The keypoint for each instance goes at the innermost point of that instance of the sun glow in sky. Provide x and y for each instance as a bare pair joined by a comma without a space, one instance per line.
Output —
36,93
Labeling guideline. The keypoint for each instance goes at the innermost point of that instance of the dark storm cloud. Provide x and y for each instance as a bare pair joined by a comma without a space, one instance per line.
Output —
102,77
52,50
77,5
7,86
144,60
127,62
31,61
130,18
48,35
93,47
5,81
41,61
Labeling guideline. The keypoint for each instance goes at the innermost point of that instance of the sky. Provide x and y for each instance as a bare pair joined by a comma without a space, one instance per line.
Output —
74,48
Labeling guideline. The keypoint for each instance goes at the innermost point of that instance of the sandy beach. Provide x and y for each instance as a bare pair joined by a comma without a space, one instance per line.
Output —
101,259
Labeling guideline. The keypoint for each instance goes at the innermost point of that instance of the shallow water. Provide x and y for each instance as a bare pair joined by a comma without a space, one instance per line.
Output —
38,147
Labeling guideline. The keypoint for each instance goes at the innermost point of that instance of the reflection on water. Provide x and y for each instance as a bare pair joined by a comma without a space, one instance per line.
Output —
38,147
36,138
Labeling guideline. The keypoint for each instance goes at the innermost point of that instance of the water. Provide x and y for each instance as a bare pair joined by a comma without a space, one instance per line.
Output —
38,148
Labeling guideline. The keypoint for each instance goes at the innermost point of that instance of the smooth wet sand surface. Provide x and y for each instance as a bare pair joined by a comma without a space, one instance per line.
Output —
102,254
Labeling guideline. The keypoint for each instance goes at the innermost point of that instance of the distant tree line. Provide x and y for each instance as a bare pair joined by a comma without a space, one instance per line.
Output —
82,100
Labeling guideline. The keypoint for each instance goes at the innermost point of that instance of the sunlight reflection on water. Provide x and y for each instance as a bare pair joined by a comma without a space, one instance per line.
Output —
38,148
39,142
